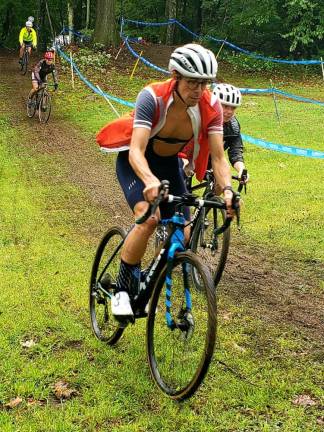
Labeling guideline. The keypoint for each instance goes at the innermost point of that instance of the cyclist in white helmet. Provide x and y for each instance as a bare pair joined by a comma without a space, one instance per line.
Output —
167,116
28,38
231,98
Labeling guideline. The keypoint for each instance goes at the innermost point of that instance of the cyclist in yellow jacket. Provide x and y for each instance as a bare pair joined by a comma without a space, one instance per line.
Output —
28,38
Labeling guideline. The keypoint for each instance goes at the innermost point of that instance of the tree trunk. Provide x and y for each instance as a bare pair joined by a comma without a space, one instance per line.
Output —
88,14
70,19
105,26
41,36
170,12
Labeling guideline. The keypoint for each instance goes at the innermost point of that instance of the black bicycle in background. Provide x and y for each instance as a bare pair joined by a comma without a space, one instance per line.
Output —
41,102
206,240
181,319
24,61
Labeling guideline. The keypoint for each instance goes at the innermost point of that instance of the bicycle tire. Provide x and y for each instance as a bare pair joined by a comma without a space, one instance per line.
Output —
25,61
166,360
31,110
103,326
212,250
45,106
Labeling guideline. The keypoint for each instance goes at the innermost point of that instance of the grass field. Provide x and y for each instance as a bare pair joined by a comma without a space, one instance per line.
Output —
45,259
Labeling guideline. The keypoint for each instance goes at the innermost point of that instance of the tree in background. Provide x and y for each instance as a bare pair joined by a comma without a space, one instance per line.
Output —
105,26
170,12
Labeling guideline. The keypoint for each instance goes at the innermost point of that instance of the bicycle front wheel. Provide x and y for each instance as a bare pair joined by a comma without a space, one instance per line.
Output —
102,283
212,249
24,64
31,106
45,106
179,355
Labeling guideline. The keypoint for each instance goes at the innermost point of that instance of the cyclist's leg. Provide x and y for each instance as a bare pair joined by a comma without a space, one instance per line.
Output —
34,88
136,241
21,52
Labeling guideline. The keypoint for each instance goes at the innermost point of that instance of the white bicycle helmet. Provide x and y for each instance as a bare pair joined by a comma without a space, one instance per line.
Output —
30,18
29,24
194,61
228,94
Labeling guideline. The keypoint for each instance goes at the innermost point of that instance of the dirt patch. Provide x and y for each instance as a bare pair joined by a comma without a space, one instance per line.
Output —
275,286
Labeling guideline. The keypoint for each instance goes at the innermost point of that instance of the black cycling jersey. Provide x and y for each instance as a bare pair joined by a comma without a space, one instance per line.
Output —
233,141
42,69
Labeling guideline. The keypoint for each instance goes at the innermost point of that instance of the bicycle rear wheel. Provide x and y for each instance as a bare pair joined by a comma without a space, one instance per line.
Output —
45,106
179,357
103,278
212,249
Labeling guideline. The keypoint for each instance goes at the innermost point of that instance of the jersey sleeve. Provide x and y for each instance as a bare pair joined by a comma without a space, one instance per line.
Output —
21,36
34,41
234,143
216,125
37,69
144,110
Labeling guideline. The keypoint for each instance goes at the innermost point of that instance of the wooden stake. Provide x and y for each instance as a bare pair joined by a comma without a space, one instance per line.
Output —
275,101
72,72
111,105
322,67
220,49
121,47
135,66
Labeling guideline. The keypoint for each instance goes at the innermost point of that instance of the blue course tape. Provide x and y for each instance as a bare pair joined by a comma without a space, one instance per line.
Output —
89,84
281,93
143,59
243,90
284,148
259,142
225,42
76,33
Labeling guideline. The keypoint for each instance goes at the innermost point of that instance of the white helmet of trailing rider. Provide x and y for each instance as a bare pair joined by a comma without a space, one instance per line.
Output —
194,61
228,94
30,18
29,24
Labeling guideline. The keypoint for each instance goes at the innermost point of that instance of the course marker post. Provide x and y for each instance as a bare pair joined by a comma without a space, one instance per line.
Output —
72,72
119,51
275,101
220,49
322,67
135,65
111,105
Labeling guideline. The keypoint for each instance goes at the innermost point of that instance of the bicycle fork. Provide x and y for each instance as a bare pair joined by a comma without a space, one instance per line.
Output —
184,319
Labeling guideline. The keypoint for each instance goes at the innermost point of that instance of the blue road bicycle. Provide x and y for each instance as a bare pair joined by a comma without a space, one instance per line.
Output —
181,319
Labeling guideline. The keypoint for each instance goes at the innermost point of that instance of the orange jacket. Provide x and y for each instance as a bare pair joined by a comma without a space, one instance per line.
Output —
116,135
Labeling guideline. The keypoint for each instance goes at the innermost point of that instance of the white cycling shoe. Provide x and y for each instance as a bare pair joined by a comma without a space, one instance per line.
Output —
120,305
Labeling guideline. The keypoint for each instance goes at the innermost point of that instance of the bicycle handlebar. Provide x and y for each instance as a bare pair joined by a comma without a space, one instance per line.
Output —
192,201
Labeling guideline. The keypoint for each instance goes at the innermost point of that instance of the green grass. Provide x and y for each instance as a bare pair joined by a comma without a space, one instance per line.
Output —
45,265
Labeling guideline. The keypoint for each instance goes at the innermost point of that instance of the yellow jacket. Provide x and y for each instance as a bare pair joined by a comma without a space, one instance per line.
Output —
26,36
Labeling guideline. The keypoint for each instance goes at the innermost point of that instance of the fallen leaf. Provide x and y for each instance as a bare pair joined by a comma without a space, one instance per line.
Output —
304,400
320,420
62,390
238,347
28,343
227,316
31,402
13,403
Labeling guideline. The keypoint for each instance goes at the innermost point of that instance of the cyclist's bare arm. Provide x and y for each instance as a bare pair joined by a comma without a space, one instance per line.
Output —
137,160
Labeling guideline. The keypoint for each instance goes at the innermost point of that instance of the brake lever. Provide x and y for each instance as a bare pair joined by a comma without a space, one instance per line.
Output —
236,207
